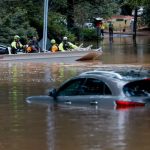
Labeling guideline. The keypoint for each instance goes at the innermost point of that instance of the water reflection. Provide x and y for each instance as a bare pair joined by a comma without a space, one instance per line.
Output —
124,50
90,129
50,129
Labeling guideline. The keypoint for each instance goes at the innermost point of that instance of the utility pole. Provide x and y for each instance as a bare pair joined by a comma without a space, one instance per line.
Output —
70,14
135,23
45,25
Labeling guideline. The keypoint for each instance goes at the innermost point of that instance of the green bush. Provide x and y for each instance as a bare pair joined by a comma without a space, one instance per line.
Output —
57,27
15,24
88,34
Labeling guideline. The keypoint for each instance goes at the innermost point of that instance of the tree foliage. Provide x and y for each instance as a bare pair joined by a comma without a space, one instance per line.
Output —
15,23
25,17
138,2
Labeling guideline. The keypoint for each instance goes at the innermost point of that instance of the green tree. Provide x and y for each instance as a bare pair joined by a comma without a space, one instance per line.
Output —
25,17
15,23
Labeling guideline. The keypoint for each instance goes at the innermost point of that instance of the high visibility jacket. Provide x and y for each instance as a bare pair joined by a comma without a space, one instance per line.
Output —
102,27
54,48
16,45
63,47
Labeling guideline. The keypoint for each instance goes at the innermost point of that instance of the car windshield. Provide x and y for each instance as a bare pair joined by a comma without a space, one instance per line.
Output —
122,74
134,74
137,88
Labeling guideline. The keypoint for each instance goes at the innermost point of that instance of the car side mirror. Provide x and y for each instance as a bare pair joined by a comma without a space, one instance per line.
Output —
52,92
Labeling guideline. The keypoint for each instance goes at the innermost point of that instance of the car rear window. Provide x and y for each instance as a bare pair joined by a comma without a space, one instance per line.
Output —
137,88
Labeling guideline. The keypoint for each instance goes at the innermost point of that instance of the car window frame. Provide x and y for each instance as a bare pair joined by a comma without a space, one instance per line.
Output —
82,85
66,84
104,84
136,88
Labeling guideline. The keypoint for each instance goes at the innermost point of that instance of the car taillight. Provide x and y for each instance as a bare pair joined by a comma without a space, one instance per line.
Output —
123,103
122,108
147,79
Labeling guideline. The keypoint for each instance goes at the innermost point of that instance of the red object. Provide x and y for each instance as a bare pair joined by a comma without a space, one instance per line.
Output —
147,79
98,24
122,108
123,103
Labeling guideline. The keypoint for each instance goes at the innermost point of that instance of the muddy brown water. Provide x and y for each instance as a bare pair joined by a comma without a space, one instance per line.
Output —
36,127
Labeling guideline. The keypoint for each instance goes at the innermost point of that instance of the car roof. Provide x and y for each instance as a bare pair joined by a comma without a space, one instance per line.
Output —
111,78
110,74
113,83
105,73
120,75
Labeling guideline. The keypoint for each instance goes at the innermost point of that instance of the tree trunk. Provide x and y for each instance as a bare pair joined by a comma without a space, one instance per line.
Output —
70,14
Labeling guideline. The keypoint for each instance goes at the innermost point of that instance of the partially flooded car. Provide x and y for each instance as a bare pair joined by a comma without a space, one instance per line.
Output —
4,49
100,88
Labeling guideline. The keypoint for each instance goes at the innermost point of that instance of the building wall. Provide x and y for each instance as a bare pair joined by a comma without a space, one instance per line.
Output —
121,23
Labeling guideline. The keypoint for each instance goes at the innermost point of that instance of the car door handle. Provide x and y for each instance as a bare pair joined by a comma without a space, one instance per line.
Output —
68,102
93,102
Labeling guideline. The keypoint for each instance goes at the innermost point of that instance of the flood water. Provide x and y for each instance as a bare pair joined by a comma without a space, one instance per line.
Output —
26,126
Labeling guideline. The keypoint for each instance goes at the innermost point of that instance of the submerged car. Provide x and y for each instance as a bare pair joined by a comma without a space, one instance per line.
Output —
101,88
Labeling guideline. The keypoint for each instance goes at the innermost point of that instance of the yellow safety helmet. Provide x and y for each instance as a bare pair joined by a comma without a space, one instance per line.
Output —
16,37
53,41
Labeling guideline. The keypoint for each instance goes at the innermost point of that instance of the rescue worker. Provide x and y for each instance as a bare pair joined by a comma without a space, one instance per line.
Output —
54,47
102,27
33,45
111,29
66,45
16,45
